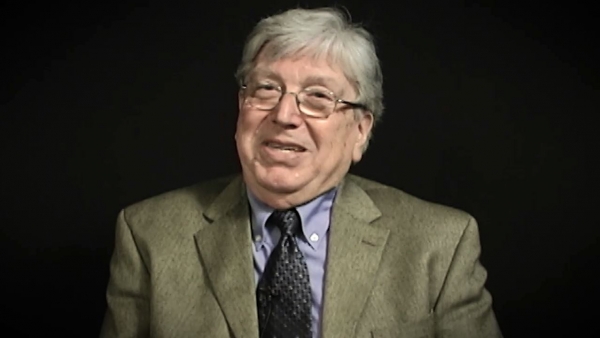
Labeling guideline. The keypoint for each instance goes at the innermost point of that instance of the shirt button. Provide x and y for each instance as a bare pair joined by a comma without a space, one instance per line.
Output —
257,238
314,237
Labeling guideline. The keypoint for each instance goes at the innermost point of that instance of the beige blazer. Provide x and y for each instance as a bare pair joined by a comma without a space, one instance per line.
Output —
397,267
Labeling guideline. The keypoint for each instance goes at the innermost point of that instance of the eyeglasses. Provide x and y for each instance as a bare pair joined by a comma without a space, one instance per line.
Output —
312,101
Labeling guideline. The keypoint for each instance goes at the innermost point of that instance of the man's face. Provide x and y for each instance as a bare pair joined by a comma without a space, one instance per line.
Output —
287,157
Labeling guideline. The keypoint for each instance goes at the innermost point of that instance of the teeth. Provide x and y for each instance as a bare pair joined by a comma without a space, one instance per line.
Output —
284,147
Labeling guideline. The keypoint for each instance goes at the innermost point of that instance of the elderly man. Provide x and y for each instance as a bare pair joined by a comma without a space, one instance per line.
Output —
295,246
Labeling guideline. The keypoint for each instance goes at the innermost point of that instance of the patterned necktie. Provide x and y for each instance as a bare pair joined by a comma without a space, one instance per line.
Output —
283,294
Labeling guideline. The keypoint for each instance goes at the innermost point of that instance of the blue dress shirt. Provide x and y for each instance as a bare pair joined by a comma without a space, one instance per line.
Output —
316,218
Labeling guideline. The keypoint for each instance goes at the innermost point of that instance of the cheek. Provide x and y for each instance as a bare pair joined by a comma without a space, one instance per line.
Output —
337,141
247,125
243,136
347,134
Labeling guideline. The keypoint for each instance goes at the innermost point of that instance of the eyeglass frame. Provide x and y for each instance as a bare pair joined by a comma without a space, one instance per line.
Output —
353,105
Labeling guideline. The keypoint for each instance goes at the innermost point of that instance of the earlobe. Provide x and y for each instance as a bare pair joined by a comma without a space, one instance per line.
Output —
240,99
365,124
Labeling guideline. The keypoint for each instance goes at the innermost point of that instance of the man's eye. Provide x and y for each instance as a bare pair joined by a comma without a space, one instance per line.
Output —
319,95
266,87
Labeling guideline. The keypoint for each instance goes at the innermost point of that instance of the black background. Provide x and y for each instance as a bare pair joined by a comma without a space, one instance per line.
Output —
491,108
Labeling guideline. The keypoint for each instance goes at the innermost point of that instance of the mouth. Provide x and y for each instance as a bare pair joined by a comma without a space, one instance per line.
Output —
288,147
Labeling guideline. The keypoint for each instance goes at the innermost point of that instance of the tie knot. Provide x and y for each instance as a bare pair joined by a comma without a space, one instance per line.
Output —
288,221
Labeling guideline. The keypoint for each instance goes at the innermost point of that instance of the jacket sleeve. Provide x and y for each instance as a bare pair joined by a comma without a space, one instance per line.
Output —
464,308
127,294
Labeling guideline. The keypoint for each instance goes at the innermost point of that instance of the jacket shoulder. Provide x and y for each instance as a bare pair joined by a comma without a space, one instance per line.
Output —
407,209
185,202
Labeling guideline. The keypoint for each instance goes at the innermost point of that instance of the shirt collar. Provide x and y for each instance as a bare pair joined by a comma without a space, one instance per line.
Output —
314,215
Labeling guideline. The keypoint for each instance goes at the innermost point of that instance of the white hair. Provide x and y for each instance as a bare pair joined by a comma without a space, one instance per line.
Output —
322,32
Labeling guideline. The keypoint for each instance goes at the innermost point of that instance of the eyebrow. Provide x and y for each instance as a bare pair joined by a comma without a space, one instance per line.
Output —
266,72
326,81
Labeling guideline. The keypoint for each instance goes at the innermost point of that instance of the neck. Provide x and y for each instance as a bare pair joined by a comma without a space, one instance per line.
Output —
284,200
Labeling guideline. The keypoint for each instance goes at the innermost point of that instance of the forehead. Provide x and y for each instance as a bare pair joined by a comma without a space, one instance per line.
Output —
301,70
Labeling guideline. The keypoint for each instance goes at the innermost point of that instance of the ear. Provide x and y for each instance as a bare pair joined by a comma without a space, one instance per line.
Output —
240,99
364,125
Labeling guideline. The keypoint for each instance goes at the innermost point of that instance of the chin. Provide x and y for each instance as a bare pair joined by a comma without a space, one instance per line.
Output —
281,184
280,180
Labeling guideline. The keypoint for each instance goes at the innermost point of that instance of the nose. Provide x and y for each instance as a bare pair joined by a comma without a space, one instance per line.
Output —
286,113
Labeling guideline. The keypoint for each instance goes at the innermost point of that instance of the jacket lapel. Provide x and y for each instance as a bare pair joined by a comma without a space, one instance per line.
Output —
355,249
225,249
